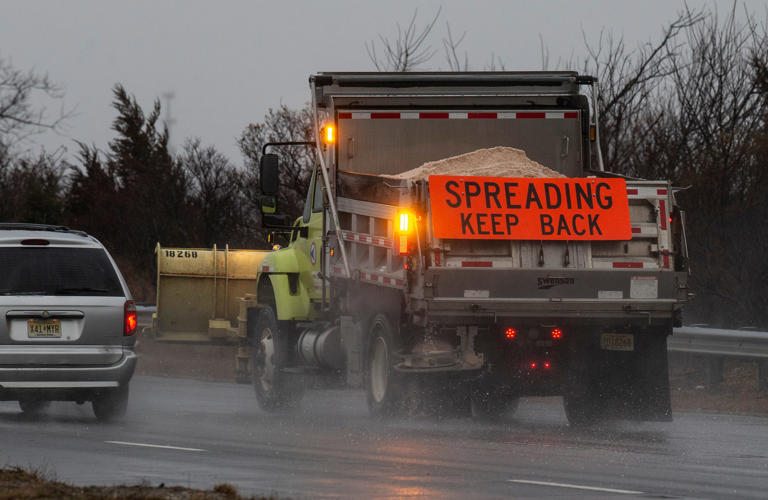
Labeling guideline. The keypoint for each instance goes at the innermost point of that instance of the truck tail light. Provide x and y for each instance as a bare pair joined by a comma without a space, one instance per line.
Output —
130,322
510,333
557,334
547,365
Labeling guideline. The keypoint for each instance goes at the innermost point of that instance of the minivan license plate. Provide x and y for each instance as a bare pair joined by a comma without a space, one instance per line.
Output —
617,342
41,328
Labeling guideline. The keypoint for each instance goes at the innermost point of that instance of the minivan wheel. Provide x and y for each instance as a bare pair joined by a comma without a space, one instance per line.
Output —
33,407
111,405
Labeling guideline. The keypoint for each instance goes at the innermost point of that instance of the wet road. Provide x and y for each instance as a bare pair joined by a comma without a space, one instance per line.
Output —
191,433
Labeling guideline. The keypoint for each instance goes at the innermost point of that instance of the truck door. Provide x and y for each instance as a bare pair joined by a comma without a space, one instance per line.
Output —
309,248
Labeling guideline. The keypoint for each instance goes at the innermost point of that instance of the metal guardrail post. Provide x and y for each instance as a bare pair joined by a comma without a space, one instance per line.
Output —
715,371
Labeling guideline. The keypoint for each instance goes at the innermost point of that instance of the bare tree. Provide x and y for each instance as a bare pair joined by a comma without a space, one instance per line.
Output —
216,197
628,83
408,50
19,115
451,46
296,162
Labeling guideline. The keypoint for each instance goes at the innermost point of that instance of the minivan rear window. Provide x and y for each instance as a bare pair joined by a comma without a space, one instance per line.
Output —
57,271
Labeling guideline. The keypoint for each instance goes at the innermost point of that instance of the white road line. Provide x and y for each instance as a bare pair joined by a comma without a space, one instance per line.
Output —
145,445
576,487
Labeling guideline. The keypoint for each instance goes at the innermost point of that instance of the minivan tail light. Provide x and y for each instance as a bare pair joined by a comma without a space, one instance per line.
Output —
130,321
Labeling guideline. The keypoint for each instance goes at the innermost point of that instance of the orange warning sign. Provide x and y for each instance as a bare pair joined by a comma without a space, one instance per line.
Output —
507,208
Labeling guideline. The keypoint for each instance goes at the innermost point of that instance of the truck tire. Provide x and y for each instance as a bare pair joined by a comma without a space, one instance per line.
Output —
111,405
275,389
383,384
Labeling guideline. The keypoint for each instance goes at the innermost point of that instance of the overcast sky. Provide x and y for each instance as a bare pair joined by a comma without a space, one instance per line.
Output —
227,62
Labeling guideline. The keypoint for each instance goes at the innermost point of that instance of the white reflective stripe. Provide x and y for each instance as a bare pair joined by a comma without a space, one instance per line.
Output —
56,385
148,445
456,115
576,487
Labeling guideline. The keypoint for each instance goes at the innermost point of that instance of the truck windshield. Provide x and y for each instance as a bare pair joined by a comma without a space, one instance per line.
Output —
57,271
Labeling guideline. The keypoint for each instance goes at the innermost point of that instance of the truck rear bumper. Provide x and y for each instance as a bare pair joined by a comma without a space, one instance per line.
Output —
587,294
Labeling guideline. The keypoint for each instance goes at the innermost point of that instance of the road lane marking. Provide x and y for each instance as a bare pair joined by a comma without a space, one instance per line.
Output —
576,487
146,445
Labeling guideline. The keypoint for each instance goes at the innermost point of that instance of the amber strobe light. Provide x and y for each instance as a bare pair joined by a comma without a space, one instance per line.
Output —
404,226
329,134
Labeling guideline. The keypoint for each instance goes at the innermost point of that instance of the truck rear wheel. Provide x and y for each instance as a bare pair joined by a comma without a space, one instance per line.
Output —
275,389
383,384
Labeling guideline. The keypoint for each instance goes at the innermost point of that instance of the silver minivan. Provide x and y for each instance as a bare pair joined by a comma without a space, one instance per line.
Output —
70,322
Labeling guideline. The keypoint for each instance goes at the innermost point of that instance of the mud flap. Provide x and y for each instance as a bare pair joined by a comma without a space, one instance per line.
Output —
621,384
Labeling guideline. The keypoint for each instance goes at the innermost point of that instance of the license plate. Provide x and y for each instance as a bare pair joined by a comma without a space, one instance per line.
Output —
617,342
42,328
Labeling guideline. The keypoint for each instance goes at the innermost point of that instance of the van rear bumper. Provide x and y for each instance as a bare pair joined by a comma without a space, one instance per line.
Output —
65,382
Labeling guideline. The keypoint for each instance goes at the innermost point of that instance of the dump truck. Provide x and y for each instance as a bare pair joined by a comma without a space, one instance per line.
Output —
418,278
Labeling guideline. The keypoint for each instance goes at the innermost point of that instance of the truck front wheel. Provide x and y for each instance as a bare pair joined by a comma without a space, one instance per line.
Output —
275,389
383,383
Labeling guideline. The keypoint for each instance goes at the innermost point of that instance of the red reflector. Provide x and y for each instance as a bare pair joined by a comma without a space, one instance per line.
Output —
510,333
385,116
557,334
476,263
130,320
627,265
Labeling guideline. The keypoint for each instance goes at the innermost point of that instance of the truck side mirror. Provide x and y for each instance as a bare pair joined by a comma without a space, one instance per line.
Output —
268,168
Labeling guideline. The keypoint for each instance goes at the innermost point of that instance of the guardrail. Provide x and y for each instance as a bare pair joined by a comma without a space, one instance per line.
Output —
717,344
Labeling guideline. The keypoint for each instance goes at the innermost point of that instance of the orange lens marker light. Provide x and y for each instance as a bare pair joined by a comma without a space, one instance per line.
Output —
330,134
403,244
